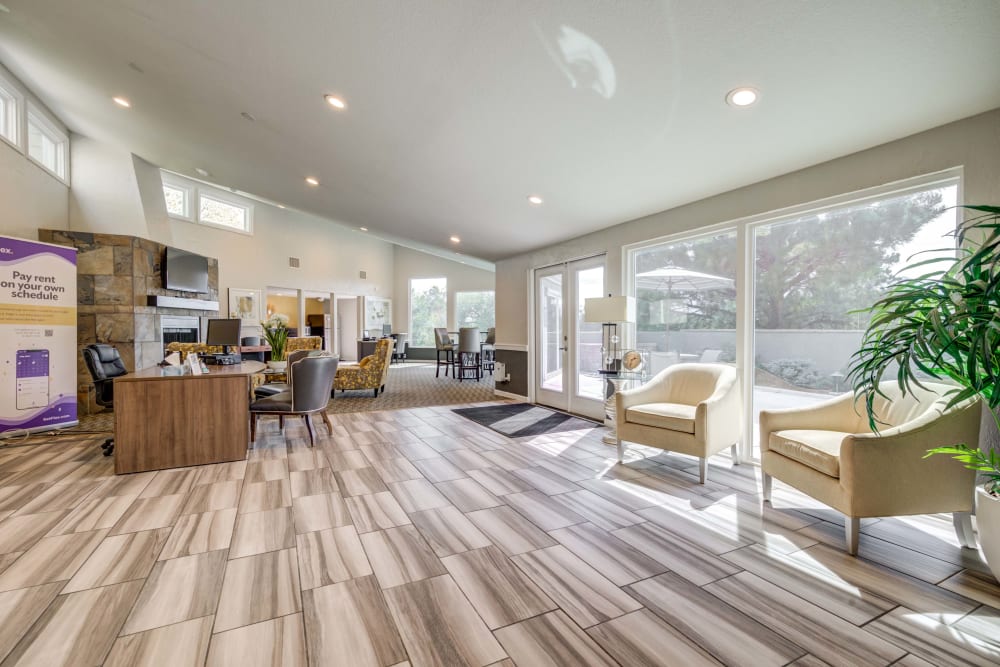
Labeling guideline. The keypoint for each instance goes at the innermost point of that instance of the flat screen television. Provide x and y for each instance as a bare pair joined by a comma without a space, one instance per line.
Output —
223,332
185,271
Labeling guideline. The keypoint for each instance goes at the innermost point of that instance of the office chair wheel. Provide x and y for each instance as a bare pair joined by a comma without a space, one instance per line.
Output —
108,446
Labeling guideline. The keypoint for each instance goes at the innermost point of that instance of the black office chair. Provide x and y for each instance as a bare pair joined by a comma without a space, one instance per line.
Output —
104,364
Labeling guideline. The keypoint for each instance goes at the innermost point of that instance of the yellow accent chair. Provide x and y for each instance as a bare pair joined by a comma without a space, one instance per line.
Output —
370,372
829,452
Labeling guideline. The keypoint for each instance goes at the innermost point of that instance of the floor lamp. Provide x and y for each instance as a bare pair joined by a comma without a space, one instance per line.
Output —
610,311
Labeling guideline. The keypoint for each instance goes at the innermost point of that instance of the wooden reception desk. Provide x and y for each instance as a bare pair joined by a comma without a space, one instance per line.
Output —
167,420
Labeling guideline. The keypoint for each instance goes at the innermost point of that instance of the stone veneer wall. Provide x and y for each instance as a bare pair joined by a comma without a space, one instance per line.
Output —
115,275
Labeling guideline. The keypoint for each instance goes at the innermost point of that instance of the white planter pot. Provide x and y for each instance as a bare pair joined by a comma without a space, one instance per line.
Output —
277,365
988,521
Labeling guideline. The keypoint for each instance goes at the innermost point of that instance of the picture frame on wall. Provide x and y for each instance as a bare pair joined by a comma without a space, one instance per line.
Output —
245,304
378,311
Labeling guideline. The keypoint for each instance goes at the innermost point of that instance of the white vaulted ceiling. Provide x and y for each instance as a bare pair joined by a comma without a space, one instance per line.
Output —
460,109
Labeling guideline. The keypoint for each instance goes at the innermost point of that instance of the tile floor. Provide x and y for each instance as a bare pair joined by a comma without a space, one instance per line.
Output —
418,537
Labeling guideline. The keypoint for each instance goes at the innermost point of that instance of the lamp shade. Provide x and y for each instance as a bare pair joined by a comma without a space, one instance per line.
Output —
609,309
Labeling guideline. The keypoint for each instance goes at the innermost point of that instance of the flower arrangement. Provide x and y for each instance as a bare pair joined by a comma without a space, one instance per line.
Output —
276,335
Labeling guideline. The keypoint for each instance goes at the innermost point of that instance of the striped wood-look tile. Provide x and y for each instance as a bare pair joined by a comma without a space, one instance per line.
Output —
277,642
258,588
500,592
400,555
580,590
439,626
181,644
551,640
487,547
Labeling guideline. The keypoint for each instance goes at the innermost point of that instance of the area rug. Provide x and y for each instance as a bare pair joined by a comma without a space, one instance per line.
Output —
517,420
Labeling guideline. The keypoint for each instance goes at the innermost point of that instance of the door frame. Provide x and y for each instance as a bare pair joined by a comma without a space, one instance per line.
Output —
596,410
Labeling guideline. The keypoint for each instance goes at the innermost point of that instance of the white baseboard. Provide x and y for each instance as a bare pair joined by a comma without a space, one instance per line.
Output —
507,394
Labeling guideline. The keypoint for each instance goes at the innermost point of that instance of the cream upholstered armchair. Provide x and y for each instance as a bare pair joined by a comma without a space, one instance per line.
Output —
829,452
688,408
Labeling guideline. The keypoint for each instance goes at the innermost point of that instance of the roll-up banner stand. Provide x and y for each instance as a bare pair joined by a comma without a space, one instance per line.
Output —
37,336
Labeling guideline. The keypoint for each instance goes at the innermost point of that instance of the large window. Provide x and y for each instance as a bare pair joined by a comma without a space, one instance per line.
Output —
10,111
686,300
475,309
226,214
813,276
428,309
47,145
805,277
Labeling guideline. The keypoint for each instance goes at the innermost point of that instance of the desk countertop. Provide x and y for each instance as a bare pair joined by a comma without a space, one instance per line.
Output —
175,372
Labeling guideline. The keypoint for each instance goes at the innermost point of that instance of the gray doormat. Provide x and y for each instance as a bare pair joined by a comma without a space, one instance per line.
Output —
518,420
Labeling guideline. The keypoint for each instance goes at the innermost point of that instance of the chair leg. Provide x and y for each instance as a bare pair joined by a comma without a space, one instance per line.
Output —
376,392
963,529
703,470
766,482
852,527
329,422
734,453
621,451
281,422
309,427
253,428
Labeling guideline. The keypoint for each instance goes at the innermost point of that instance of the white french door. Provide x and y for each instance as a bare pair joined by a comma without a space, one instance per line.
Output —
566,347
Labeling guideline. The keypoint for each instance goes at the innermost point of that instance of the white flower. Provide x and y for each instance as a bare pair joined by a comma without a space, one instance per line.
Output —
276,321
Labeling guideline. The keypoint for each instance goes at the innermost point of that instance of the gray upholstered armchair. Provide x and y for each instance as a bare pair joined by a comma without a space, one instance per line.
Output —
688,408
308,394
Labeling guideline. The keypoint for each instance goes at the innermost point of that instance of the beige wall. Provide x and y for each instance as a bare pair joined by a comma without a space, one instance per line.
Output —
973,143
415,264
30,197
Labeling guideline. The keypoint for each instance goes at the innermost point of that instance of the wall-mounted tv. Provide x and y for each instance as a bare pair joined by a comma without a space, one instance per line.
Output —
185,271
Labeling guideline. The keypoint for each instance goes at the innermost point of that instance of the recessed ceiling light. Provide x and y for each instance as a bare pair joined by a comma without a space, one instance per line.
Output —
122,102
535,200
281,206
455,239
202,172
742,97
364,229
335,102
312,181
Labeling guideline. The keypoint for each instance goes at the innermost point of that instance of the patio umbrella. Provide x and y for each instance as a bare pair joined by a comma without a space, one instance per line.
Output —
672,279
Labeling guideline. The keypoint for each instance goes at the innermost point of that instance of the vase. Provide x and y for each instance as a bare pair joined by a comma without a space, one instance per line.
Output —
988,522
277,365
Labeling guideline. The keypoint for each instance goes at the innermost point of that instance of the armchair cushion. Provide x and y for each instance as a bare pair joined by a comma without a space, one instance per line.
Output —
820,450
673,416
278,403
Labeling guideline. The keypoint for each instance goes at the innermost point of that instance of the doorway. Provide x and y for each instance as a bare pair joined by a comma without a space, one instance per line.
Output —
347,328
567,349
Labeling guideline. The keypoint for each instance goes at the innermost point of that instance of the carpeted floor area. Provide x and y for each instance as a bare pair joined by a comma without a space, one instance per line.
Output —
410,385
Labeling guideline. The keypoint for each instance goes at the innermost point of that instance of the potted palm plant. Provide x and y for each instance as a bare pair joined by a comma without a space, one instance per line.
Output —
276,335
945,324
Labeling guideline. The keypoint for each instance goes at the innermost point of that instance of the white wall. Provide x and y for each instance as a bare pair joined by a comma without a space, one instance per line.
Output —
415,264
30,197
973,143
115,192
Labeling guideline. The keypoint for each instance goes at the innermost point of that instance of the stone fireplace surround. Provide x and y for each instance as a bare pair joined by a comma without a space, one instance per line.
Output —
116,276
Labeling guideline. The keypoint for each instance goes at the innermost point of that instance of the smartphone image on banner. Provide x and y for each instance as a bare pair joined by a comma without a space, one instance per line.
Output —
32,379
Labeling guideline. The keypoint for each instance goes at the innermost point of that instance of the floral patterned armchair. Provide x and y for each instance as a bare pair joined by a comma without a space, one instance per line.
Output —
299,343
370,373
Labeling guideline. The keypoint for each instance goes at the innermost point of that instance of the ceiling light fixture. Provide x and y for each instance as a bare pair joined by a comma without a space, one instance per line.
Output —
742,97
202,172
335,102
312,181
535,200
122,102
455,239
364,229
